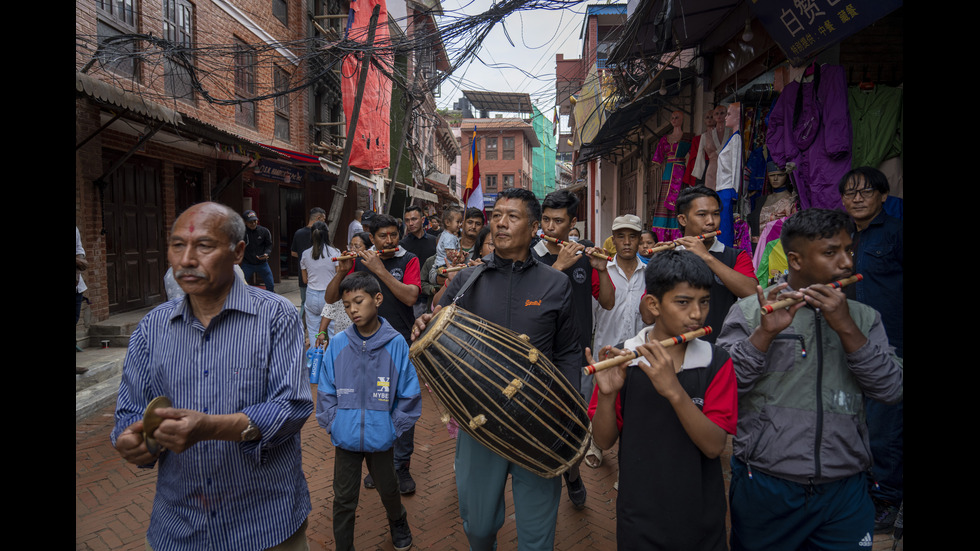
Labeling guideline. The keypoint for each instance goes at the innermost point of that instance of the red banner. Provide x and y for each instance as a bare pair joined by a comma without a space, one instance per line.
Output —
371,149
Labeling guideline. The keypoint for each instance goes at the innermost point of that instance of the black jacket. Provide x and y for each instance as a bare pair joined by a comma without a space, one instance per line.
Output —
530,298
257,243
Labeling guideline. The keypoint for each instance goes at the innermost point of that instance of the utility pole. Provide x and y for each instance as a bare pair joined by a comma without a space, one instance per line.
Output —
401,144
340,189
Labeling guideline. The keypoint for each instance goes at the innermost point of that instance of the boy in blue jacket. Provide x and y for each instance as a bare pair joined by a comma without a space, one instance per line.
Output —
367,395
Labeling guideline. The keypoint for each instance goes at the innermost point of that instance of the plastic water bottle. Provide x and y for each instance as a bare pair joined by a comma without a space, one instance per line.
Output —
313,358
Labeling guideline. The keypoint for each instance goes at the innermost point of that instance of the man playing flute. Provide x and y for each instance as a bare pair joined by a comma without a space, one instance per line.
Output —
589,279
698,212
801,452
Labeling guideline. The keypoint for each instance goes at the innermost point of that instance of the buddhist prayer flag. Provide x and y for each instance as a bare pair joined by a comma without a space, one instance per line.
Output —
473,194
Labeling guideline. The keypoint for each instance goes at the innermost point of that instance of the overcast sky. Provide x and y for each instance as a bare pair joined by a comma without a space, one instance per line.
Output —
538,35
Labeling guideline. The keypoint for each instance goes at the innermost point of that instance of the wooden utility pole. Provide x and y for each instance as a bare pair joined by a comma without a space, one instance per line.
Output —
398,160
340,189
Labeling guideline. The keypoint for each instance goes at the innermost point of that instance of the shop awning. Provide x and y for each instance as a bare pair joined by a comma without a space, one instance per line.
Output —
110,94
294,155
419,193
620,124
439,182
334,168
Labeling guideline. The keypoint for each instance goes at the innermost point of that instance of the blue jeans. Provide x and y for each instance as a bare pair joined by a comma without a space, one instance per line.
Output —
302,300
314,306
264,271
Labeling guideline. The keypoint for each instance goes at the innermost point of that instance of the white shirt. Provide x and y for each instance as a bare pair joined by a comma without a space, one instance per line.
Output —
319,272
354,227
698,353
716,246
730,164
623,321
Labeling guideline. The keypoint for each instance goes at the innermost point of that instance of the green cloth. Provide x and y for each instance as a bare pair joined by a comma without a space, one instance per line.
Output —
773,260
543,157
876,119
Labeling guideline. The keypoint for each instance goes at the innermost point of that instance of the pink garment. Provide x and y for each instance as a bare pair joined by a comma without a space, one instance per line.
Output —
673,157
769,232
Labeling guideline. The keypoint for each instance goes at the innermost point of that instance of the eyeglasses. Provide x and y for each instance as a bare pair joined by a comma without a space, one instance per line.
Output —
866,193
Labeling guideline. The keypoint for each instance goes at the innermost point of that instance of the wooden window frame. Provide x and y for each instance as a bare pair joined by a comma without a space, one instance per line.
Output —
281,79
490,149
508,152
245,83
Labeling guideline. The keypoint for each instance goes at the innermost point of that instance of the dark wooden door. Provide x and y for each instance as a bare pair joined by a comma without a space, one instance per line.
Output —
188,188
293,215
136,249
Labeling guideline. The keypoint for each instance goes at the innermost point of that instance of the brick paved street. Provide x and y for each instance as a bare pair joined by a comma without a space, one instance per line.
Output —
113,499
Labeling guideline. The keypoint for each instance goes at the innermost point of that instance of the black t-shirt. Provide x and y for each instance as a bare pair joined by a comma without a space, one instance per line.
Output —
581,277
721,298
302,240
423,247
404,268
674,495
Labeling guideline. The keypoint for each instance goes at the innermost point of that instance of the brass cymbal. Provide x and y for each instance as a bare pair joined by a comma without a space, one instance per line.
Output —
151,421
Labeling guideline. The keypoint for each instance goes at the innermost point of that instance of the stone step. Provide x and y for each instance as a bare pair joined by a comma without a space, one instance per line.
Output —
96,397
102,363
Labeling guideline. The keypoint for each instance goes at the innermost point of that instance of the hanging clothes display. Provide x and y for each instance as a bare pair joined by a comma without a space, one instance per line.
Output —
729,181
707,156
673,157
690,177
809,125
743,235
875,118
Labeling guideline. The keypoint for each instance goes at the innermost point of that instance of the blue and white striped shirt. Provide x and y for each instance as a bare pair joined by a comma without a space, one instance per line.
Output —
224,495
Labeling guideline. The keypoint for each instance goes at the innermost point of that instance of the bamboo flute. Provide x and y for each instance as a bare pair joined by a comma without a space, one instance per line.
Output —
562,242
633,354
350,255
671,244
769,308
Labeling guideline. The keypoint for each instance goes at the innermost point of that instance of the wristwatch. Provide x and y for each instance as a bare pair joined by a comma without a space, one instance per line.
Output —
251,432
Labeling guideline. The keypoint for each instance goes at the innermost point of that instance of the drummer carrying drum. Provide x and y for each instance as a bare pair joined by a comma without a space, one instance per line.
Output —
516,291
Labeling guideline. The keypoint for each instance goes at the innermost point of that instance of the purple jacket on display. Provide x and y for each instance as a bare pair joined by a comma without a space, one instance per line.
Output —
820,141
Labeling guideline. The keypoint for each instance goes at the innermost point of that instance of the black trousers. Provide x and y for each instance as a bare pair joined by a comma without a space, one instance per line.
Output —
347,487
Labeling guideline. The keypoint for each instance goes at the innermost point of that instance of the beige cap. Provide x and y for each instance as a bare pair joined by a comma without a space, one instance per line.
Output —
628,221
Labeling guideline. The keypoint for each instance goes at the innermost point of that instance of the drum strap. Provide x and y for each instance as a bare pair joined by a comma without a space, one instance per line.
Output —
476,273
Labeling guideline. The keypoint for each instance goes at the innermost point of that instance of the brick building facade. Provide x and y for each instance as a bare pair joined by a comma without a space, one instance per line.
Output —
148,144
504,146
